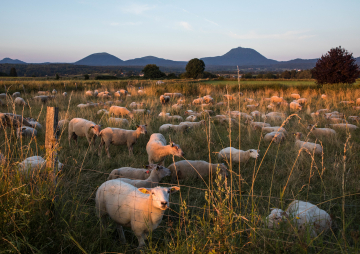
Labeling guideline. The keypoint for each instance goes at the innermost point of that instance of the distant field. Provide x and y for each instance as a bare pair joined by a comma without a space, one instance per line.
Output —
262,82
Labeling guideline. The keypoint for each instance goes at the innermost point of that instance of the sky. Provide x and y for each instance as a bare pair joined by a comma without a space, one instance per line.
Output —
66,31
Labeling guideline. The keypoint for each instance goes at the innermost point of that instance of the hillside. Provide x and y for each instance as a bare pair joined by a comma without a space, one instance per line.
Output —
7,60
100,59
154,60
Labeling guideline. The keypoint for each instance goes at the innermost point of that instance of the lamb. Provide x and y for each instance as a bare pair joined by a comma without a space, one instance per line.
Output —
173,94
321,131
344,126
132,173
193,124
26,131
177,128
164,99
277,137
157,149
273,129
30,165
194,169
83,128
117,136
20,101
118,121
257,125
16,94
295,96
136,105
238,155
191,118
295,106
120,111
142,209
309,146
305,215
152,181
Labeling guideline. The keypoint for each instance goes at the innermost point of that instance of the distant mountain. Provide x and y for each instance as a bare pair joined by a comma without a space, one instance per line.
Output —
7,60
239,56
358,60
100,59
154,60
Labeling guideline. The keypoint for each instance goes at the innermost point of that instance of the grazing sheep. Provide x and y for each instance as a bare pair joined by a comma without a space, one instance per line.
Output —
305,215
157,149
123,92
34,123
322,110
276,136
302,101
191,118
117,94
181,101
164,99
323,96
295,106
102,111
142,209
257,125
64,94
33,165
344,126
104,95
309,146
229,97
253,106
193,169
295,96
276,99
132,173
255,114
16,94
273,129
238,155
336,120
9,119
43,98
118,121
163,114
193,124
249,100
346,102
62,124
198,101
175,117
54,91
83,128
136,105
208,99
334,114
2,95
141,111
26,131
178,95
177,106
358,101
356,108
192,113
355,119
275,116
318,132
117,136
177,128
237,114
20,101
152,181
120,111
89,93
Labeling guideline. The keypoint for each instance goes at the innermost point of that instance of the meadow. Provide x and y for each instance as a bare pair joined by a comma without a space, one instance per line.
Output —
206,215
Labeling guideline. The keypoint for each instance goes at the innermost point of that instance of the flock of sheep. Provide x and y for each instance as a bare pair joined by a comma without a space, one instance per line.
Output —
132,197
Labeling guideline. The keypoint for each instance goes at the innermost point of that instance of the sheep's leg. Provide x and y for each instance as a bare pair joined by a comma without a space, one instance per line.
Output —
121,233
141,239
93,141
74,136
130,150
107,149
100,147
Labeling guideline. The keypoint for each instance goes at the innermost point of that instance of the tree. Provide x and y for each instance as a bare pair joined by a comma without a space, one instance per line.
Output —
286,75
57,76
86,76
172,76
13,72
152,71
337,66
194,68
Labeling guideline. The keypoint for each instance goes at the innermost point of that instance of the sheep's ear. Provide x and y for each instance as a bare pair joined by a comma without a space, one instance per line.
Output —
144,190
174,189
171,144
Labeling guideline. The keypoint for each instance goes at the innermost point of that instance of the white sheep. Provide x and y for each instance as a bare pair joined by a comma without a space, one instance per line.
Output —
54,91
120,111
25,131
102,111
177,107
2,95
62,123
141,111
276,136
294,105
344,126
157,149
255,114
318,132
33,165
152,181
208,99
20,101
257,125
117,136
193,124
273,129
276,99
64,94
302,101
34,123
191,118
334,114
198,101
253,106
242,115
309,146
16,94
123,92
136,105
89,93
229,97
83,128
295,96
142,209
177,128
132,173
164,114
238,155
323,96
305,215
118,121
194,169
43,98
178,95
164,99
355,119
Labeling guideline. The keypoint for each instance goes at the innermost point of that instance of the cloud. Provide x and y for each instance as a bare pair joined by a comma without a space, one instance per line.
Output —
185,25
212,22
137,8
285,36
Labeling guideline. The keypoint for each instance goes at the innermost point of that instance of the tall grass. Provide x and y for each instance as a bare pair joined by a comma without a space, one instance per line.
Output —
210,216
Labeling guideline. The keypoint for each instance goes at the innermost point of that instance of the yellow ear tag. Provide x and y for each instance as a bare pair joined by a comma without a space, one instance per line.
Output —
143,190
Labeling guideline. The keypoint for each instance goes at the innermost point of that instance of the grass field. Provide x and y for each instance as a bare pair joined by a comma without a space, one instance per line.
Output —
209,216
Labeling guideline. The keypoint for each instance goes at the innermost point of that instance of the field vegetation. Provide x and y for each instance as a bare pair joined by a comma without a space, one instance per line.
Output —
41,215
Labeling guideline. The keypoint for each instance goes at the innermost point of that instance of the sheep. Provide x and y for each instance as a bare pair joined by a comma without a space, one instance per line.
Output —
322,110
54,91
30,165
152,181
62,124
208,99
237,114
355,119
83,128
277,137
20,101
102,111
336,120
346,102
178,95
198,101
81,105
177,128
120,111
136,105
309,146
255,114
16,94
132,173
305,215
163,114
323,96
157,149
356,108
275,116
123,92
302,101
193,124
164,99
273,129
333,114
140,208
229,97
249,100
118,121
208,111
321,131
257,125
358,101
295,106
43,98
2,95
34,123
276,99
89,93
104,95
9,119
117,94
26,131
295,96
238,155
192,113
117,136
141,111
344,126
64,94
177,106
191,118
194,169
181,101
175,117
253,106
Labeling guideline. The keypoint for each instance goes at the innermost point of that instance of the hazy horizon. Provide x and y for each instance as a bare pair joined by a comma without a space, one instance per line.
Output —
68,31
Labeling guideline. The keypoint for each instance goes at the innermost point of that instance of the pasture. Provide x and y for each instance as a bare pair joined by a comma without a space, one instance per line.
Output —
209,215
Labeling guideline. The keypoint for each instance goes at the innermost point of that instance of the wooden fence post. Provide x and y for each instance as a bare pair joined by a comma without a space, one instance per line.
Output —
51,136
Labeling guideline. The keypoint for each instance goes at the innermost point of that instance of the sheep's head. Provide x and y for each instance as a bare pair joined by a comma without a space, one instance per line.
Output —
254,153
160,195
311,127
176,150
142,129
96,129
275,217
223,170
161,171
